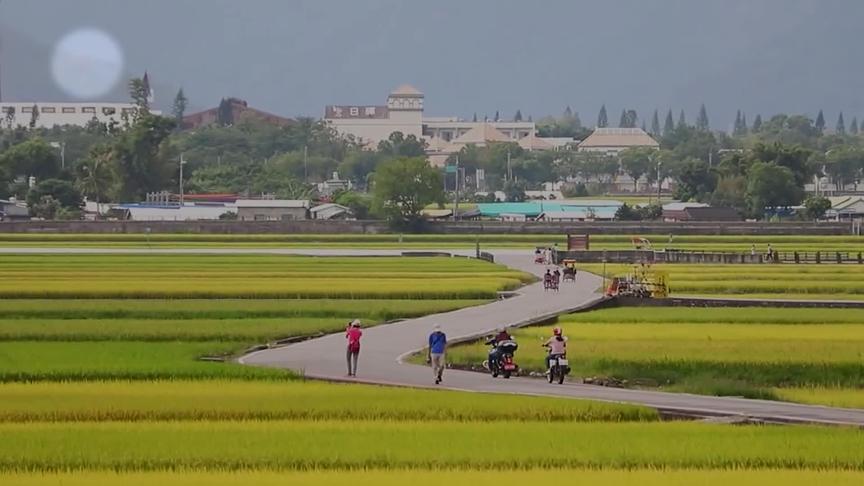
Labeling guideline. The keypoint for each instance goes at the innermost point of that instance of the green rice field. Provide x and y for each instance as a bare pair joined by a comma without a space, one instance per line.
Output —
807,355
102,382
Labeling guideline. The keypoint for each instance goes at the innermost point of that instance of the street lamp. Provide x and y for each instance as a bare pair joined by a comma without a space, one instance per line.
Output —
182,163
62,147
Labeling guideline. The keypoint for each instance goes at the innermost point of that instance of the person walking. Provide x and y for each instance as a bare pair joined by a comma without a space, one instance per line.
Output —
437,349
353,334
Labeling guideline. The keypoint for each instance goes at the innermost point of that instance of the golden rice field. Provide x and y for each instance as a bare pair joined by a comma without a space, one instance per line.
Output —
101,382
782,281
808,355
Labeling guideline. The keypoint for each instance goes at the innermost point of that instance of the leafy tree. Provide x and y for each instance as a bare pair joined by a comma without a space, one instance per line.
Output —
359,203
623,121
731,192
744,123
627,213
771,186
844,164
139,92
34,157
696,181
853,127
568,112
628,119
142,157
514,191
757,123
179,107
63,192
34,116
668,125
398,145
45,207
820,122
702,120
403,187
518,116
794,158
655,124
841,125
816,206
636,162
225,113
740,127
94,175
602,118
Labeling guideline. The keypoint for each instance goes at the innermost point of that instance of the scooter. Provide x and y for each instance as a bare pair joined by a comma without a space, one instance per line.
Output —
504,365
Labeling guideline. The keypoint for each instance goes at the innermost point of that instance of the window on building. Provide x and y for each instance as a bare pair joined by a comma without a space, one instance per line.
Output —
9,110
27,109
69,109
129,110
88,109
447,136
109,111
49,109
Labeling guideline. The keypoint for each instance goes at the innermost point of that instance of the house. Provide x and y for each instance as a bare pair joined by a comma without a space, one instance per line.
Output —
331,211
172,212
846,208
233,110
612,141
11,209
272,209
675,211
705,214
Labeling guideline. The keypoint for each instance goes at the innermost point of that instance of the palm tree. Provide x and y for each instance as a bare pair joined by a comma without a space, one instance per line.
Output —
95,174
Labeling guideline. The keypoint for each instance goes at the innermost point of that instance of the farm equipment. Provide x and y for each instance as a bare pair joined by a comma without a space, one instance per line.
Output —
641,243
569,271
642,282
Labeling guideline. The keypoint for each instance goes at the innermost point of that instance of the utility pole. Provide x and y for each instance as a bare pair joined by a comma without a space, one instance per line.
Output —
659,182
1,68
182,163
456,192
305,164
509,171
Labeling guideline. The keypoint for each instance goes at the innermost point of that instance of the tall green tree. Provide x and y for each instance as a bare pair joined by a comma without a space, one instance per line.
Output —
820,122
655,124
139,92
398,145
696,180
669,124
179,107
841,125
682,120
623,122
497,116
143,159
34,116
637,162
403,187
94,175
518,116
33,157
853,127
757,124
702,120
771,186
602,118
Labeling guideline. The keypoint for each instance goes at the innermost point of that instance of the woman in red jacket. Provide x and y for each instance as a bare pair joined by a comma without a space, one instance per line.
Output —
353,334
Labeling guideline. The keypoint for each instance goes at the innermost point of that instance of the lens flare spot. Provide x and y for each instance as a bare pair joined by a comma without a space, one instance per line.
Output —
87,63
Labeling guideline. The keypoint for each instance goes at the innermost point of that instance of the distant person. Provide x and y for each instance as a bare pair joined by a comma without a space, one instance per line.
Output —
353,334
437,349
753,250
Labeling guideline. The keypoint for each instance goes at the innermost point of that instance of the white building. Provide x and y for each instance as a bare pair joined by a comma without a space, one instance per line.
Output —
404,113
49,114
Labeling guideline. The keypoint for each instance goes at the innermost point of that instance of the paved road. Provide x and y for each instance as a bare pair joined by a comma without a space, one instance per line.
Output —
385,347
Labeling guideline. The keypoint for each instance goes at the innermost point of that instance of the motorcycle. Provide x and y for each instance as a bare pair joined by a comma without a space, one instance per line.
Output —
504,365
559,367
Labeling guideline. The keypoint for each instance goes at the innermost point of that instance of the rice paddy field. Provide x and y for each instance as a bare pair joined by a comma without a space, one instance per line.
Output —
733,243
102,382
811,355
777,281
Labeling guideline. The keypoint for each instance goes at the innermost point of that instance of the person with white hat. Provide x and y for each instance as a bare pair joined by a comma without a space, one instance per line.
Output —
435,355
353,334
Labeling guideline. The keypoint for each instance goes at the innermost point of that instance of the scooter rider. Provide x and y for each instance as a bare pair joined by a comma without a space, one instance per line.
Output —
557,345
495,354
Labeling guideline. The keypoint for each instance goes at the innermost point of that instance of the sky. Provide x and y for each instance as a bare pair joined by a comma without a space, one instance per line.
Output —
293,57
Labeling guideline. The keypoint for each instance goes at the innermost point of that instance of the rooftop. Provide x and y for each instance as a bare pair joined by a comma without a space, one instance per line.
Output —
619,137
272,203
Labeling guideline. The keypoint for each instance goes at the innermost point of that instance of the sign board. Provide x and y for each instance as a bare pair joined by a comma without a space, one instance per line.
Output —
339,111
451,169
577,242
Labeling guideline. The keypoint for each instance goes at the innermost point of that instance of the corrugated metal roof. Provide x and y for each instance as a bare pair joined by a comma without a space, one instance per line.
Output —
619,137
272,203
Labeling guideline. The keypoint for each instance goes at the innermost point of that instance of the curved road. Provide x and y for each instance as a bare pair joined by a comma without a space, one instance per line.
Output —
385,347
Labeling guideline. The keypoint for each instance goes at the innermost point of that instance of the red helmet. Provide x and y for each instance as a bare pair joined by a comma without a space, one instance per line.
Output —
556,331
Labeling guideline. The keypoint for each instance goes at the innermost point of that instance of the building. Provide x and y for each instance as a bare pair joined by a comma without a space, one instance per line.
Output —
612,141
272,209
11,210
50,114
234,109
703,214
443,135
172,212
330,211
557,210
844,208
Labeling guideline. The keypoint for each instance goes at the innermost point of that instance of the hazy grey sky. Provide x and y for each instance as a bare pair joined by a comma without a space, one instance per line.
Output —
292,57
